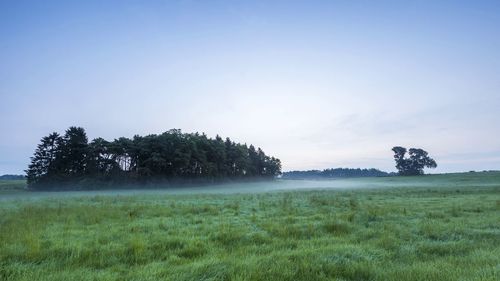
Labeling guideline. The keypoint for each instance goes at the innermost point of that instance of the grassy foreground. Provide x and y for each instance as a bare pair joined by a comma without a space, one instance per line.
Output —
450,231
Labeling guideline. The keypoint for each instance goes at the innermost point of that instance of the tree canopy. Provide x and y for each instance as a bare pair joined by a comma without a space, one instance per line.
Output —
12,177
172,155
414,164
334,173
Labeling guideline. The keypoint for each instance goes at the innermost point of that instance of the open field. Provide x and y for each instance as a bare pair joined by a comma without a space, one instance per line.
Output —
12,187
8,185
443,227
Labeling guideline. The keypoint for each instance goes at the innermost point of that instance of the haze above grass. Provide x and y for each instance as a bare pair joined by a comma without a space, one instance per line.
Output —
12,190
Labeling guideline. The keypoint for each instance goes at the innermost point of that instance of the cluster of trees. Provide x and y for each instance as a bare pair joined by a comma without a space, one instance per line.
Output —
414,164
12,177
173,155
334,173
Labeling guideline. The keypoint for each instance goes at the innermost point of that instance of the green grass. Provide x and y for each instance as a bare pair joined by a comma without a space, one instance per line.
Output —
10,186
433,228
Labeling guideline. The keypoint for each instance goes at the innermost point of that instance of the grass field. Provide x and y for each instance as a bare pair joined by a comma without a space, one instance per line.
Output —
11,185
443,227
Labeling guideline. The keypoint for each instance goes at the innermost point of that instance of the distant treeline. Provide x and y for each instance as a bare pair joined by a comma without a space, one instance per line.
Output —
12,177
70,160
335,173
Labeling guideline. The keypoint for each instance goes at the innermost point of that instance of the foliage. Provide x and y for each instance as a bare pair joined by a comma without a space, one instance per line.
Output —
334,173
12,177
173,155
446,230
414,164
44,165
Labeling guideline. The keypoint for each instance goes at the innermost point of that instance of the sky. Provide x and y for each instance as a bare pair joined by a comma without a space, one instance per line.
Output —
318,84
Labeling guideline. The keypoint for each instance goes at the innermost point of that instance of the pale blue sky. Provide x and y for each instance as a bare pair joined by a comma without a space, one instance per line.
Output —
318,84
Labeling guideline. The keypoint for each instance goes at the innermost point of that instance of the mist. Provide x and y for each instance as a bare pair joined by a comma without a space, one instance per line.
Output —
263,187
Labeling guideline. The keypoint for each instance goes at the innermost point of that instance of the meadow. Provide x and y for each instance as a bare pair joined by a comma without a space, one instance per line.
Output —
12,185
439,227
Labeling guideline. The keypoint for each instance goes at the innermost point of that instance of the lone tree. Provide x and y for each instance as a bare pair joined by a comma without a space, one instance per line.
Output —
414,164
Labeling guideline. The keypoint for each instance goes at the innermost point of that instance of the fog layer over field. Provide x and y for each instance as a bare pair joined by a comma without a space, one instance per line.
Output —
434,181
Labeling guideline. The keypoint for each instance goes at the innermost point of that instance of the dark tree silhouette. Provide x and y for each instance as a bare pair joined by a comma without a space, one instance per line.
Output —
74,150
170,156
414,164
12,177
43,165
334,173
